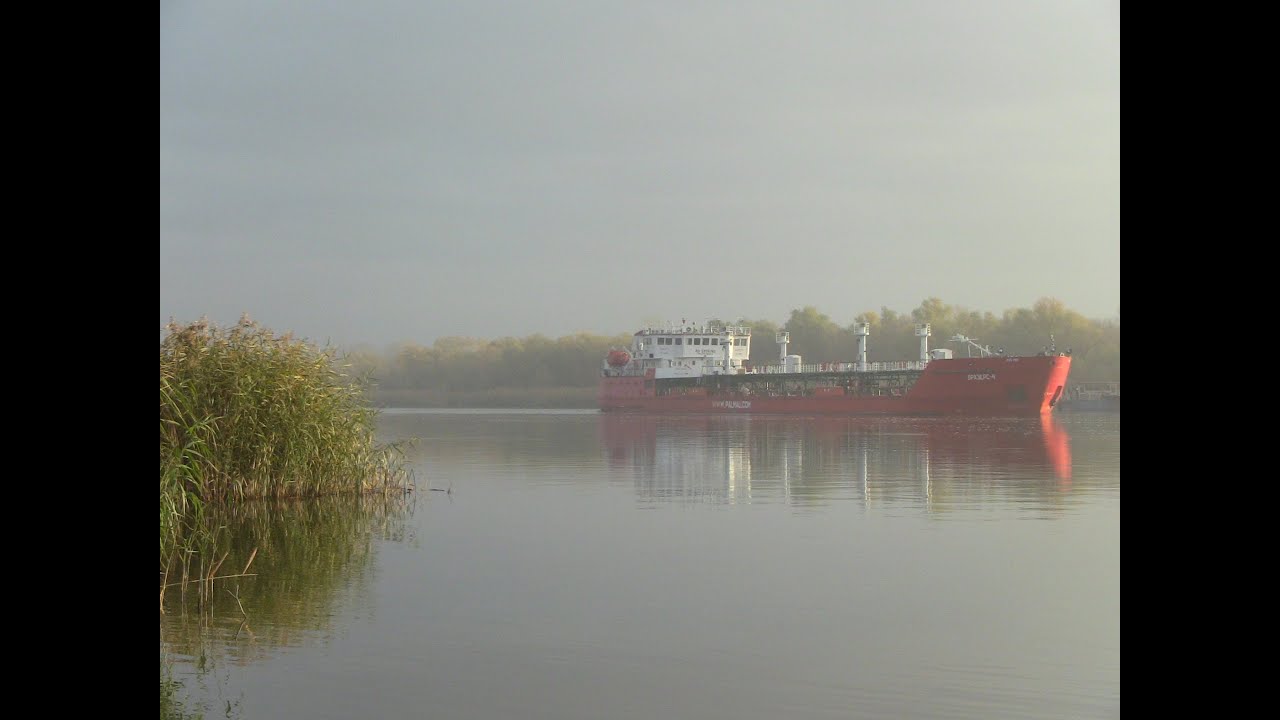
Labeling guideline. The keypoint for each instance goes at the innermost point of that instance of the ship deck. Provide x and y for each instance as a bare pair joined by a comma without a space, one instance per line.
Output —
868,383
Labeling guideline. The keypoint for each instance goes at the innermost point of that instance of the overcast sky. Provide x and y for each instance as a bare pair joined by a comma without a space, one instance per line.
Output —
378,172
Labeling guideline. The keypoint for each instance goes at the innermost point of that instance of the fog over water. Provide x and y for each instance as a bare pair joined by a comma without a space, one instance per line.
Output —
369,173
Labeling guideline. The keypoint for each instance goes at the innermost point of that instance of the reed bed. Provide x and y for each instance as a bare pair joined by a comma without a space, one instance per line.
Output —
247,414
246,417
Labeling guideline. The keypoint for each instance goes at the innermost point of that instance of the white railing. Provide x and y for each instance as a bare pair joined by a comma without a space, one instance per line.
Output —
841,367
696,370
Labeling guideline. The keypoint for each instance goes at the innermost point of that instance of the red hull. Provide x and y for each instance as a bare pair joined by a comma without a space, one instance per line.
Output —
989,386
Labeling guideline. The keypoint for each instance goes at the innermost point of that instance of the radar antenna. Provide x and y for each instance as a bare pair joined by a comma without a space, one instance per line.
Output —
985,350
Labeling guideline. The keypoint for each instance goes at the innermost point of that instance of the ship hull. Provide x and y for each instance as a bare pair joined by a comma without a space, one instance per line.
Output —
989,386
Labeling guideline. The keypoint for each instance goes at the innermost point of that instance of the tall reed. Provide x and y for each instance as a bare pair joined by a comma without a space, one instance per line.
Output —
246,413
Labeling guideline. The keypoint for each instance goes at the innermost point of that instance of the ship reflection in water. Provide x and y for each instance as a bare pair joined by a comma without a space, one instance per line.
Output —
811,460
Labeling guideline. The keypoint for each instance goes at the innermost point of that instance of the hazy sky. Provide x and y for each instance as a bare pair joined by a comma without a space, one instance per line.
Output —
383,171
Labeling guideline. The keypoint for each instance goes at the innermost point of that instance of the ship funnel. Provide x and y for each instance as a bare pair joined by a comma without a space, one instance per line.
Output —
862,330
782,339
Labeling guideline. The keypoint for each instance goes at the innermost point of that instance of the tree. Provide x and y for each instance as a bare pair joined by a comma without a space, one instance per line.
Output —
817,338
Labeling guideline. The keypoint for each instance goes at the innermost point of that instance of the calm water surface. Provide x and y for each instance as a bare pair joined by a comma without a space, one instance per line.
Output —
578,565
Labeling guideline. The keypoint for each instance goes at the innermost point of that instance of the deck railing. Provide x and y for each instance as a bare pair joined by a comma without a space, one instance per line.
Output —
840,367
806,368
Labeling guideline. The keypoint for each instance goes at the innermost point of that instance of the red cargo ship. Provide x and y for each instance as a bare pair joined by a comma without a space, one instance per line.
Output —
705,369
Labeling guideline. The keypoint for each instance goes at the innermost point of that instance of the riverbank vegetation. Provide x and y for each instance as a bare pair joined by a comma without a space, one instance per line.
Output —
248,414
250,418
537,371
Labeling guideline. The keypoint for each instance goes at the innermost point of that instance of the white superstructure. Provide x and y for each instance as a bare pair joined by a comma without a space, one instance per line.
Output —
691,350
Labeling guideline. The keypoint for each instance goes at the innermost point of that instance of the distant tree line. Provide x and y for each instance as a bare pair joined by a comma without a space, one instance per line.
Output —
537,371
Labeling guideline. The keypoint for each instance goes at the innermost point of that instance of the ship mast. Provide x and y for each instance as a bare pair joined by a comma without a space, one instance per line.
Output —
862,330
923,331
